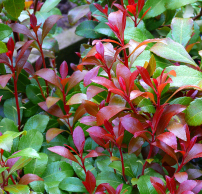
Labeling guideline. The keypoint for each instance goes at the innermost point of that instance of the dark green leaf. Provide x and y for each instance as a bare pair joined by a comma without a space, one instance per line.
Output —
34,94
5,31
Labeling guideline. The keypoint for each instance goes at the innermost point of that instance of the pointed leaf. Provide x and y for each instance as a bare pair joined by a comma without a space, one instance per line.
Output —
181,176
52,133
28,178
169,139
4,79
16,189
79,138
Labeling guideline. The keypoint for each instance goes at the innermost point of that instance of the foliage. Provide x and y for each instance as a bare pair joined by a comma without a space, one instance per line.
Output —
128,120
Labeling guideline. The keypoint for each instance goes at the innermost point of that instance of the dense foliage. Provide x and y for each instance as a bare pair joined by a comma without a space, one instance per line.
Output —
128,120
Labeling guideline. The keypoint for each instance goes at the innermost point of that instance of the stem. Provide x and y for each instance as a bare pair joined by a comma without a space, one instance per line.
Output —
16,100
110,78
40,89
84,168
12,179
132,107
35,6
122,162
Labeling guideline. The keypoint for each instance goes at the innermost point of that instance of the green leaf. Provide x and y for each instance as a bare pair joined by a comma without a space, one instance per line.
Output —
185,76
14,7
3,168
38,122
173,4
146,106
182,100
142,58
53,187
182,30
34,94
3,47
33,139
16,189
5,31
30,109
144,185
37,166
10,109
37,186
27,152
135,34
57,171
194,113
172,51
104,29
72,184
161,62
86,29
6,142
7,125
49,5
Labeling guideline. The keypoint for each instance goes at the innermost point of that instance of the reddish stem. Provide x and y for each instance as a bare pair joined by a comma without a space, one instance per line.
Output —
12,179
40,89
122,163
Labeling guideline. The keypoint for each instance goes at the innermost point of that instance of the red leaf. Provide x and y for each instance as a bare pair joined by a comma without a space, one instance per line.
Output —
198,187
93,91
80,111
28,178
135,93
11,44
135,144
49,23
181,176
158,185
62,151
108,112
186,186
93,153
90,182
166,149
119,189
98,140
38,63
171,184
91,74
195,152
52,133
140,5
100,49
79,139
89,120
4,59
106,186
29,68
91,107
169,139
4,79
64,69
96,131
33,20
77,99
104,82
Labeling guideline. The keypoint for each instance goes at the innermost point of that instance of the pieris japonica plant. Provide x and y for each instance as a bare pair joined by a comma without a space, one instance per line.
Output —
128,120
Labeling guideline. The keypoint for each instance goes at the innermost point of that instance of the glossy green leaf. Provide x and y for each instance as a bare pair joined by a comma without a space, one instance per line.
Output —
194,113
172,51
7,125
16,189
172,4
72,184
37,186
14,7
49,5
86,29
144,185
135,34
30,109
3,48
184,76
3,168
104,29
146,106
182,100
6,142
37,166
38,122
5,31
182,30
33,139
27,152
34,94
10,110
53,187
57,171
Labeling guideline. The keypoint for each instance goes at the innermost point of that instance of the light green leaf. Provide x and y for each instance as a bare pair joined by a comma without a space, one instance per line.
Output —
27,152
6,142
173,4
10,109
72,184
182,30
57,171
3,168
7,125
142,58
194,113
37,186
3,47
38,122
14,7
185,76
53,187
135,34
144,185
33,139
16,189
37,166
172,51
5,31
104,29
48,5
182,100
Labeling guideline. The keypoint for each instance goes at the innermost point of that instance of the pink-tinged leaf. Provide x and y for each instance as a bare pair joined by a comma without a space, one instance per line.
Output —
23,49
195,152
49,75
29,68
1,98
39,63
90,182
177,129
64,69
169,139
117,91
79,139
28,178
100,49
4,59
186,186
97,131
11,44
106,186
77,99
93,153
171,184
49,23
52,133
89,120
75,78
198,187
11,161
93,91
104,82
4,79
91,107
50,101
108,112
136,93
62,151
33,20
188,192
19,28
98,140
158,185
167,149
194,173
90,75
53,110
106,40
80,111
119,189
181,176
135,144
